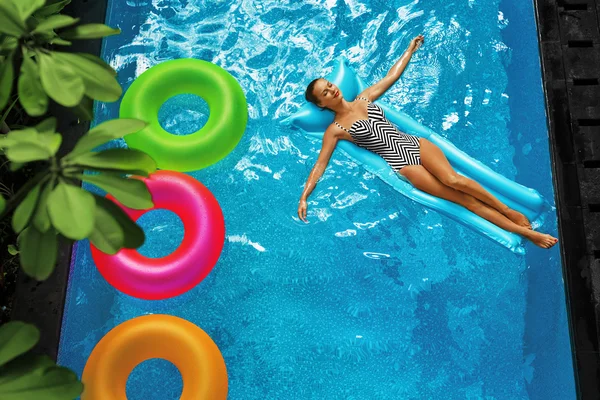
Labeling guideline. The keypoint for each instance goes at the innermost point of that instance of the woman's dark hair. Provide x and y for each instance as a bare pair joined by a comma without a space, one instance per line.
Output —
309,95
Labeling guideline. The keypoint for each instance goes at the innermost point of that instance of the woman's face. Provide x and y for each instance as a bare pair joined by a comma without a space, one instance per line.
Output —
327,93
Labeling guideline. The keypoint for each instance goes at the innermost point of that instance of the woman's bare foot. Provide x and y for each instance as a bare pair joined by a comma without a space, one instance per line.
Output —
543,240
518,218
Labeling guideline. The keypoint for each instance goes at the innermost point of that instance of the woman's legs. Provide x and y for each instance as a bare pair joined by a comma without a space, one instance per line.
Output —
424,180
434,160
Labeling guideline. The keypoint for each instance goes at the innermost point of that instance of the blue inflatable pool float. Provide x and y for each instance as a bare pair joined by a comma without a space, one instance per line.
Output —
313,121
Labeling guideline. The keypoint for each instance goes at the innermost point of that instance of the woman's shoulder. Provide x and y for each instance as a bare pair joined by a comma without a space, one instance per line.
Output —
334,127
336,130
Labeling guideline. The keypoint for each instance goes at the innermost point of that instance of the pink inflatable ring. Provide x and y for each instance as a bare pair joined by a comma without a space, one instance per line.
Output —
204,235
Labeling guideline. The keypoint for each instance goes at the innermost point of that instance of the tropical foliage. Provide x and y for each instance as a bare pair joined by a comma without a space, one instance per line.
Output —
52,203
25,376
29,34
35,70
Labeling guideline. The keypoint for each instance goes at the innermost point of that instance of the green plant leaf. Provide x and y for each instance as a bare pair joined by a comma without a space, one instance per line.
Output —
24,365
8,44
90,31
98,61
71,211
107,235
28,145
15,339
6,142
11,22
46,126
6,77
24,152
131,192
27,7
25,209
54,383
51,140
100,83
12,250
31,93
84,110
14,166
22,135
55,22
28,52
43,37
60,42
128,161
59,80
113,229
52,7
104,133
17,136
41,219
2,204
38,252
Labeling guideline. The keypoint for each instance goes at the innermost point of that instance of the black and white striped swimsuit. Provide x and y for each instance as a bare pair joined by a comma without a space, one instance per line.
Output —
378,135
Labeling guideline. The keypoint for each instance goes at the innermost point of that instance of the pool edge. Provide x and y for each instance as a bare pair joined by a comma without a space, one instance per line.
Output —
560,30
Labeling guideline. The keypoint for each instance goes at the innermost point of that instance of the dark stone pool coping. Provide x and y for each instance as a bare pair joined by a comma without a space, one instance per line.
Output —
569,37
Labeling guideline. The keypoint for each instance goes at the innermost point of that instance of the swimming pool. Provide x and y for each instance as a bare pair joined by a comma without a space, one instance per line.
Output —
376,298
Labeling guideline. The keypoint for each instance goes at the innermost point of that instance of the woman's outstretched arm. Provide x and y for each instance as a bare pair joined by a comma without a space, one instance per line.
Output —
374,92
329,142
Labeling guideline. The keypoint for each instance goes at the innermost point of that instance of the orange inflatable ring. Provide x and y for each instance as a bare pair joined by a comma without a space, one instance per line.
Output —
171,338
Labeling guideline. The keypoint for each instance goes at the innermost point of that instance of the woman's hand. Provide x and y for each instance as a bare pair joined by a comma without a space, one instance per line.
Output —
416,43
302,209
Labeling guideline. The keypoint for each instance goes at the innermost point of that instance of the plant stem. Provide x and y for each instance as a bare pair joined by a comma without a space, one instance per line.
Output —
16,199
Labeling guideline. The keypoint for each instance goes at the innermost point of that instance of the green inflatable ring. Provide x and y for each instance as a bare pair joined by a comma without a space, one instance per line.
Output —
219,136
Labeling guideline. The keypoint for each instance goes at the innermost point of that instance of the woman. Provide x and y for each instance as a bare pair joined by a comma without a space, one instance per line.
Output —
421,162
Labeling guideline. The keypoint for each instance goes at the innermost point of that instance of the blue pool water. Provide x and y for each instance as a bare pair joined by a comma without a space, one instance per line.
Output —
377,297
